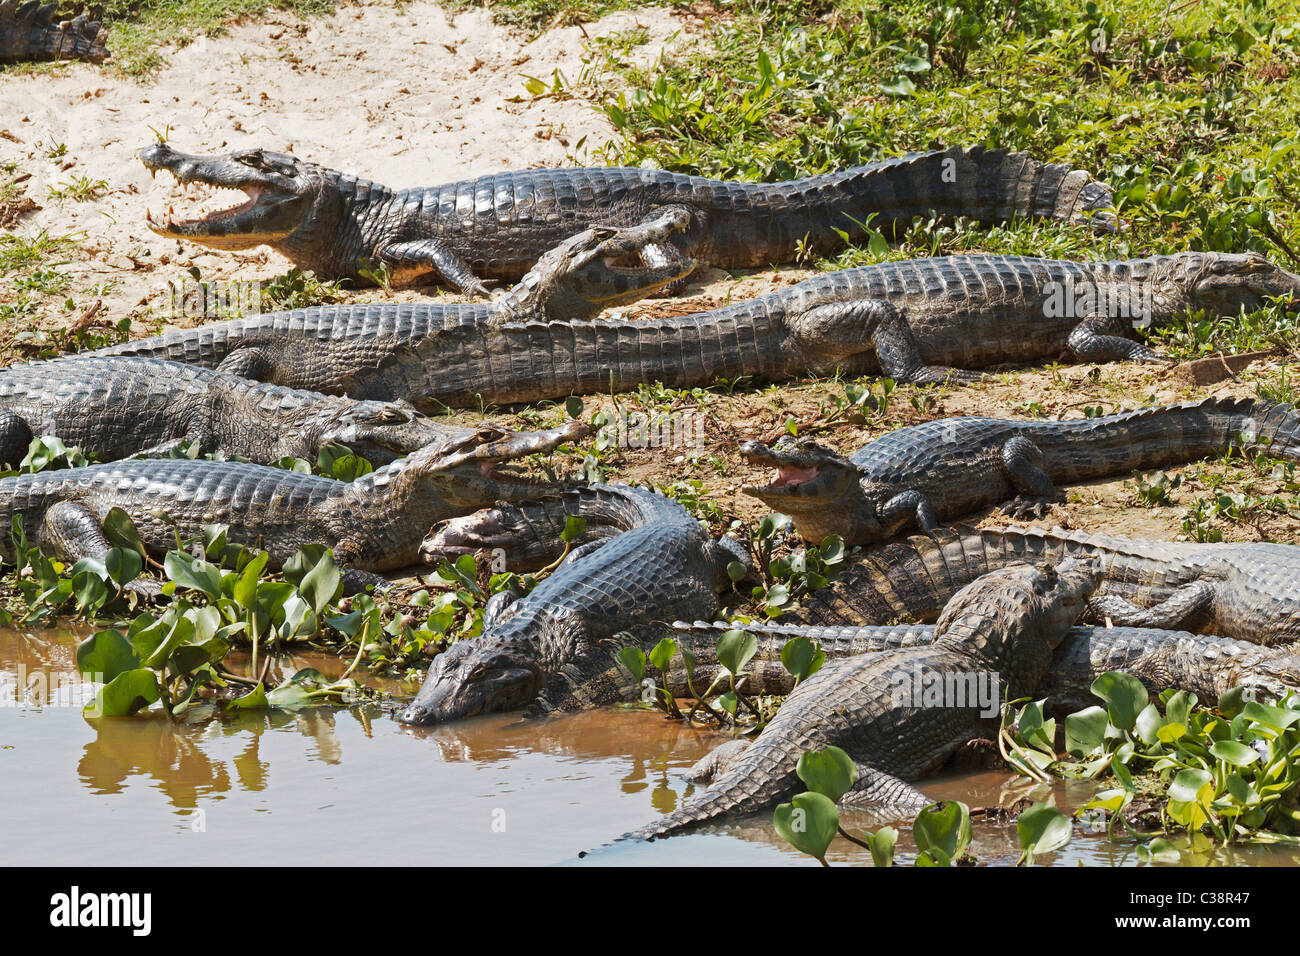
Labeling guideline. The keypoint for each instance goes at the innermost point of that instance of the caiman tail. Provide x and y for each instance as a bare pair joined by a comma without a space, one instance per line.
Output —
986,185
31,31
1171,435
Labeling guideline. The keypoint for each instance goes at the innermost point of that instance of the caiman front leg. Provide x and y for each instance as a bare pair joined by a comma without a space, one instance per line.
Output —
1022,462
1100,338
1174,613
433,255
904,508
72,531
15,438
834,331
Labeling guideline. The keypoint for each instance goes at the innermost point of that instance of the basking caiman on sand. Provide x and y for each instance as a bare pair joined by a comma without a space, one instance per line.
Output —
341,349
375,523
939,470
917,321
1003,628
31,31
119,406
495,227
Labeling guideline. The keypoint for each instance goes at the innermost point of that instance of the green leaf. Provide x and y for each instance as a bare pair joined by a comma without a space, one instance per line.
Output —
574,526
1237,754
662,654
106,654
830,772
944,827
194,573
802,658
255,699
736,571
573,405
123,565
125,694
881,843
1187,785
735,649
1278,718
1124,696
1042,828
1085,732
632,658
1159,850
808,823
323,584
121,532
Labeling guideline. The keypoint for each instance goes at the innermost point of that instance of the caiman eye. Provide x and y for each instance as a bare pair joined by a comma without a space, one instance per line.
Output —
250,157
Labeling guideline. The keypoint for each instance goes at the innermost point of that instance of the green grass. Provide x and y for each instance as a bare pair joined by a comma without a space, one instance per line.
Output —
1189,114
140,28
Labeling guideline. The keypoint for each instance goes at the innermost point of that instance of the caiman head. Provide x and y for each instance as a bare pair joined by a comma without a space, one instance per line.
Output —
380,432
282,193
1226,283
453,476
495,672
1018,615
816,487
584,274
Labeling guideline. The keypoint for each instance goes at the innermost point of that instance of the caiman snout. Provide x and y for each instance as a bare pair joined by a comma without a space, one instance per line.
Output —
468,679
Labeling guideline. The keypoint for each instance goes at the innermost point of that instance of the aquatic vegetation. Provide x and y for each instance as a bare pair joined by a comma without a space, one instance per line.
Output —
1231,771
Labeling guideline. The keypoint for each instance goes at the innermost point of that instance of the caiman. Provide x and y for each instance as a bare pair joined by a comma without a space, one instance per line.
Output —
917,321
663,566
934,472
347,349
116,407
914,579
373,524
464,234
34,31
901,714
1250,592
1202,664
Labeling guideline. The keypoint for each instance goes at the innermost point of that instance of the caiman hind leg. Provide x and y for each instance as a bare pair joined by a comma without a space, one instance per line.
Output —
884,796
15,438
832,332
1100,338
1178,612
72,531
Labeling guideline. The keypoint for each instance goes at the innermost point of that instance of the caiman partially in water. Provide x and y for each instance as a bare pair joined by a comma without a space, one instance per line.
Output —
947,468
664,566
495,227
1001,630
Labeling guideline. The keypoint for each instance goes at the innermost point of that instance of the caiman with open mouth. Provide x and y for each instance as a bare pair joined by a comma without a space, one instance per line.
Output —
466,234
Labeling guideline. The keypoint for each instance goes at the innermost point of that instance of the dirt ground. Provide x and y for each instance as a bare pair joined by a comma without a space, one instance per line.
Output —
450,103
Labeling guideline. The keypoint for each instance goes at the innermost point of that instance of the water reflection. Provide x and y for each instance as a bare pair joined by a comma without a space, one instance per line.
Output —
325,785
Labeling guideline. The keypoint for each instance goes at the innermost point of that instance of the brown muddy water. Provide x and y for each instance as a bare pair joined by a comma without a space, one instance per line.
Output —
343,785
